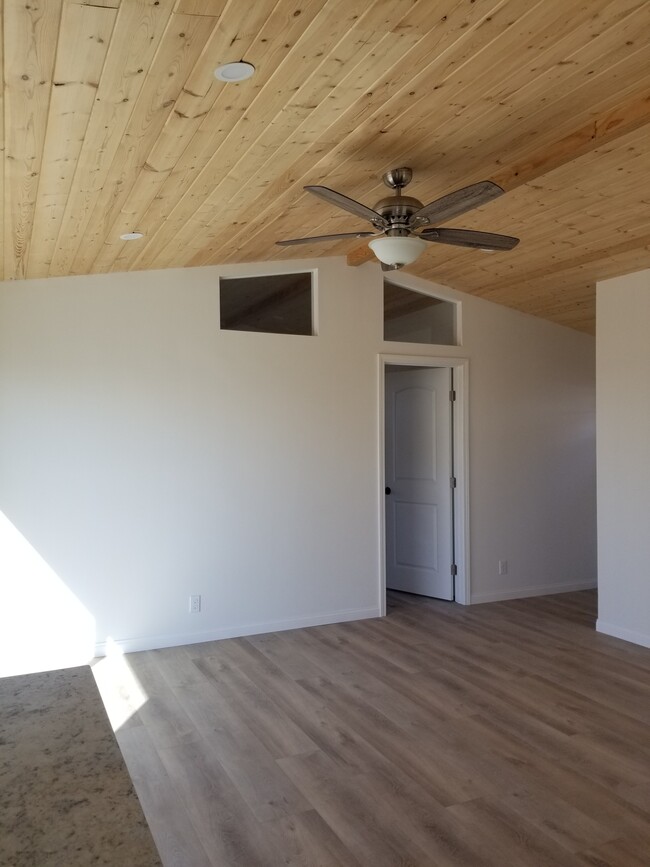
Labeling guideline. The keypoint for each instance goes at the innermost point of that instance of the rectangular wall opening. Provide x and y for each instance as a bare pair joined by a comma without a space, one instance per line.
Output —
413,317
273,303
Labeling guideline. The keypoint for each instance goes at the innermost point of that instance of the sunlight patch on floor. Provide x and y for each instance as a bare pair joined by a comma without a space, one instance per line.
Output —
120,689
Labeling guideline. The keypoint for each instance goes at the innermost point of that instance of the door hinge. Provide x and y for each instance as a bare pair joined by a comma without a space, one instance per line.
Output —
452,395
454,569
452,481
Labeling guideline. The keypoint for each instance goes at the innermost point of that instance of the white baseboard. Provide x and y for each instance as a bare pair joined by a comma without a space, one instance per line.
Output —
155,642
524,592
642,638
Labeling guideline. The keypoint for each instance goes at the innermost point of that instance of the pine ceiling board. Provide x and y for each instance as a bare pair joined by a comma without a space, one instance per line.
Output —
497,215
538,265
341,20
511,167
237,25
138,30
557,234
269,41
430,118
329,95
448,29
354,136
180,48
580,294
420,96
210,250
323,97
603,46
531,105
433,122
209,8
240,29
334,87
518,155
463,93
592,51
30,38
574,306
589,200
545,290
84,38
595,266
560,297
545,62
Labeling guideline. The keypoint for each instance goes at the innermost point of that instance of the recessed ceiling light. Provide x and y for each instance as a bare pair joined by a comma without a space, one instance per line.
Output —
131,236
233,72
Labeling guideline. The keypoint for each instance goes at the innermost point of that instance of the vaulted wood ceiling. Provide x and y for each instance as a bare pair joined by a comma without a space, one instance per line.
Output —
114,122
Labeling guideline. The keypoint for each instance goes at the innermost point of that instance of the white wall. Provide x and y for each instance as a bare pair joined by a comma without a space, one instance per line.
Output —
532,450
145,455
623,423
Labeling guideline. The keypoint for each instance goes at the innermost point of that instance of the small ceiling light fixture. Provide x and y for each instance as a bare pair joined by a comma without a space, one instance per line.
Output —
234,72
397,250
131,236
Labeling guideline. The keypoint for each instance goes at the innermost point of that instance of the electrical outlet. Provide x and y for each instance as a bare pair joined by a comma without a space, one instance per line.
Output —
503,567
195,604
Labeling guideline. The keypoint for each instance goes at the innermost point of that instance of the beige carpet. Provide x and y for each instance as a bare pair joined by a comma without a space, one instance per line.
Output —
65,794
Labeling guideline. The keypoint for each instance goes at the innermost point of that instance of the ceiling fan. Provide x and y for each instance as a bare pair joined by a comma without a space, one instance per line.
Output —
403,224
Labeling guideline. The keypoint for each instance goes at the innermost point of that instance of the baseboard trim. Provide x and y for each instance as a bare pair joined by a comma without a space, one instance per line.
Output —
642,638
155,642
524,592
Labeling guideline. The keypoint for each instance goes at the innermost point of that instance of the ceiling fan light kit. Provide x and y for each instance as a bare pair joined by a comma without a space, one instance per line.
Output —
397,251
403,224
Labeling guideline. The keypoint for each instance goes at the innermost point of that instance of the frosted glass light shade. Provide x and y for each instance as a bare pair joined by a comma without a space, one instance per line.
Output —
397,251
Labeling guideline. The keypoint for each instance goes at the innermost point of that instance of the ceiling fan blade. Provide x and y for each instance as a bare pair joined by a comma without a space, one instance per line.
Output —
317,238
347,204
458,202
469,238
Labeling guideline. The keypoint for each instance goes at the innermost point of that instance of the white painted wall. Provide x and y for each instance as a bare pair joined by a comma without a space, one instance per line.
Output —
145,455
532,450
623,423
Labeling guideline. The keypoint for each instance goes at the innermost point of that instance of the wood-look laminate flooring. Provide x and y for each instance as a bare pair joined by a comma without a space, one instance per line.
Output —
495,735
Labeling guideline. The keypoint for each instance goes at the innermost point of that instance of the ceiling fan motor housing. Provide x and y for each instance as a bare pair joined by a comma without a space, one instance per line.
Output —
397,210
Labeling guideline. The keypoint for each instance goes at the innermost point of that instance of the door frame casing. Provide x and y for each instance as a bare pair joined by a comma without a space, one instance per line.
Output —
460,440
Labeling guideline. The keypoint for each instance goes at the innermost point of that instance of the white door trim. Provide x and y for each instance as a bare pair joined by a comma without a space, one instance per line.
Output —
460,367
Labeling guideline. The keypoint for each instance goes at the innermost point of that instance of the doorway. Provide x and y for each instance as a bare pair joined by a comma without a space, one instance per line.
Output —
424,479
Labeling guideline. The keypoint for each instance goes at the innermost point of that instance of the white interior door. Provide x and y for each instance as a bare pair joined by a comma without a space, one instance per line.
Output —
419,501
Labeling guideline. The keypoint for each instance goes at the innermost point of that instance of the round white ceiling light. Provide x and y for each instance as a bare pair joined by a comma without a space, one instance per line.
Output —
234,72
398,250
131,236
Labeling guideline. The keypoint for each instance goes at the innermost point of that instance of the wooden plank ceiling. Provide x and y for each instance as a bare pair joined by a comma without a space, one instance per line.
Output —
113,122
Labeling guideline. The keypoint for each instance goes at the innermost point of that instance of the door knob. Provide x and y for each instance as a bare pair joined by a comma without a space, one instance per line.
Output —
388,491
